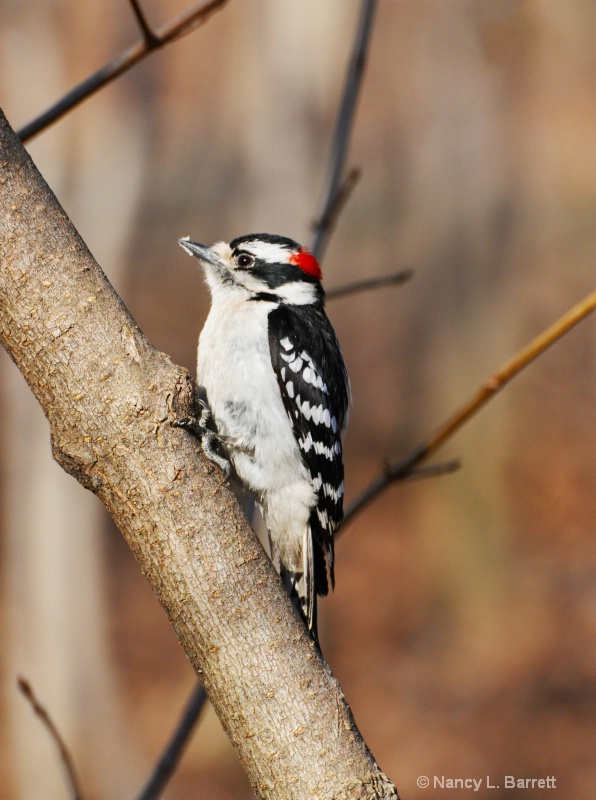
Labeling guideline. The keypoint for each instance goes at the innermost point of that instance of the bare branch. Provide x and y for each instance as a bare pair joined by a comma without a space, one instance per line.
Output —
172,30
172,754
151,40
337,206
333,202
433,470
403,469
393,279
67,760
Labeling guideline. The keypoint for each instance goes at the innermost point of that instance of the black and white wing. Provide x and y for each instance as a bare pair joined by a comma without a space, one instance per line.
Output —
314,387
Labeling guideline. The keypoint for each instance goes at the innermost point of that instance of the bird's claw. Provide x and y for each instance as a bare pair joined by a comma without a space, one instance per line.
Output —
199,428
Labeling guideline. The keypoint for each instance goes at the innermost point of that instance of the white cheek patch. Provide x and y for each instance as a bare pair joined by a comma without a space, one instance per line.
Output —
251,283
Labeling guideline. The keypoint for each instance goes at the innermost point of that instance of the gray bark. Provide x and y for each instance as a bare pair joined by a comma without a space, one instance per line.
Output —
110,397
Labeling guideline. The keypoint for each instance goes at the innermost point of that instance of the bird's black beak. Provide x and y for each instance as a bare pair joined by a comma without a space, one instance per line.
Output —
202,251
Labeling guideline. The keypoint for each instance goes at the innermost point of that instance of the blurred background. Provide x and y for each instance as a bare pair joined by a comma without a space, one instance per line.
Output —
463,626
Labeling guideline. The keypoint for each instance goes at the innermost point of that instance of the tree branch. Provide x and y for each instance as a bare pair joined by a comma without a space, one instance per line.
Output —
335,203
338,190
403,469
172,30
110,397
151,40
174,749
393,279
71,773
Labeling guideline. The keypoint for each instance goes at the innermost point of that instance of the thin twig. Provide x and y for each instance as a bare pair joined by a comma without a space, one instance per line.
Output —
345,119
173,751
393,279
67,760
149,36
337,206
402,469
172,30
433,470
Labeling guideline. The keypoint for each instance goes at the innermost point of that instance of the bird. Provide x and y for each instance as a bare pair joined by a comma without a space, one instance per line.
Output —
276,388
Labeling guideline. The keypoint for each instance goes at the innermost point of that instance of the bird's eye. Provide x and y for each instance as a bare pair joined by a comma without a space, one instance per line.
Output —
245,260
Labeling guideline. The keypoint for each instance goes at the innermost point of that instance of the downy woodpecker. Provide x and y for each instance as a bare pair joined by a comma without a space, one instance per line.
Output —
278,392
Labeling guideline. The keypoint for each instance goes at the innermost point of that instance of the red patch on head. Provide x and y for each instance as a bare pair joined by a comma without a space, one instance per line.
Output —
307,263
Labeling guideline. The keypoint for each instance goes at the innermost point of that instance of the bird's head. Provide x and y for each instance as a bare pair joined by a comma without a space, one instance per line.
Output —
264,265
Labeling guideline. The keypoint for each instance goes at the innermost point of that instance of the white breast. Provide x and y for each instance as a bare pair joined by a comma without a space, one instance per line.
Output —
234,366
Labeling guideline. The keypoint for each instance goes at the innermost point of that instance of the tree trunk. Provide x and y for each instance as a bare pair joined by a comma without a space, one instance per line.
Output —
109,397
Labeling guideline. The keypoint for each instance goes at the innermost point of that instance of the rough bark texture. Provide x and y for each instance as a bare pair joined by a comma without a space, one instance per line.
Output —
109,397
